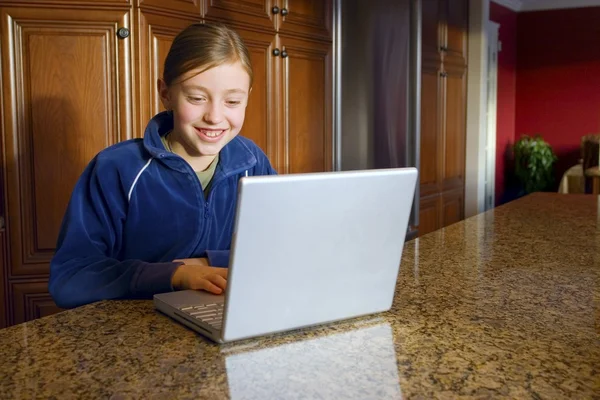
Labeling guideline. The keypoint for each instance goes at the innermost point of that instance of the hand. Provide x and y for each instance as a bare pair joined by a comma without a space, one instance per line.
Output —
197,275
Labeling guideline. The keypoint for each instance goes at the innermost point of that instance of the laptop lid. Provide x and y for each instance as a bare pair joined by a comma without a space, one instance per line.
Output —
314,248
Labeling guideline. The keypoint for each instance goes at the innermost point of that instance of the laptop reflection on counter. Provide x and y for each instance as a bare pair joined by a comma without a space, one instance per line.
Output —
359,363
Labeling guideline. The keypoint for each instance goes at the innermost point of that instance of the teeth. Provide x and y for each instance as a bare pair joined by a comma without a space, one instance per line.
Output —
211,133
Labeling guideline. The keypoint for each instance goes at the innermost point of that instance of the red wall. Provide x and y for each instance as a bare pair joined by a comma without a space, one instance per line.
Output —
507,77
558,78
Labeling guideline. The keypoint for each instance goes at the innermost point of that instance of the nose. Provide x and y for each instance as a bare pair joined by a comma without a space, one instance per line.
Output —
213,114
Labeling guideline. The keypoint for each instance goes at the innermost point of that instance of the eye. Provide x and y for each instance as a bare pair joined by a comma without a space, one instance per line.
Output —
233,102
196,100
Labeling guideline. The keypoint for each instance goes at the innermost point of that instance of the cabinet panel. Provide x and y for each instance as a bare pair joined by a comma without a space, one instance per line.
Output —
429,214
455,128
443,111
430,29
453,206
3,266
430,161
306,116
457,21
157,33
260,123
190,8
249,13
31,300
70,82
67,3
310,18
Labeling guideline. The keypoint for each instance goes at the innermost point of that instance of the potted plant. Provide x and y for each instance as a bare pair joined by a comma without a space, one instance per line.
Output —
534,163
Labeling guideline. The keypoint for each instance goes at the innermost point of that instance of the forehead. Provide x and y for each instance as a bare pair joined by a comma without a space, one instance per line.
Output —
222,77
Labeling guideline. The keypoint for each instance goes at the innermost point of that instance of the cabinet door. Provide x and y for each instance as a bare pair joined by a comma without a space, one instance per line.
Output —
31,301
67,96
189,8
3,296
454,126
66,3
305,115
156,33
248,13
430,171
455,114
260,124
429,214
456,27
309,18
453,206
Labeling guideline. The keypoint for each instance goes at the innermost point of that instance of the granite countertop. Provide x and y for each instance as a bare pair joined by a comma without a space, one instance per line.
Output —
503,305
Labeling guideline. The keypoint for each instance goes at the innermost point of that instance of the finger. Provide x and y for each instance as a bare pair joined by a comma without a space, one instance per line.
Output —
221,271
218,280
210,287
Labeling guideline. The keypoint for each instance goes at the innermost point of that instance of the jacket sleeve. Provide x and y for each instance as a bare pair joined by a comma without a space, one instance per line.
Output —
86,267
220,258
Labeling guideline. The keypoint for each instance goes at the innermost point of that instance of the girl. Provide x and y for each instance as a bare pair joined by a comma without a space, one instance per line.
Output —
156,214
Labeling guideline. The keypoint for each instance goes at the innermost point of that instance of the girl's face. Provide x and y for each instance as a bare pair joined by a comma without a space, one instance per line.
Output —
208,108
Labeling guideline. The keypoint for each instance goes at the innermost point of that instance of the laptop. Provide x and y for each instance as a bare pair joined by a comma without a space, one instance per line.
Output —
307,249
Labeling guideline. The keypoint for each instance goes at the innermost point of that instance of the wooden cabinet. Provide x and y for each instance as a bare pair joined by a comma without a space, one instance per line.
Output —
255,14
156,33
309,18
443,113
289,110
185,8
31,300
306,117
4,305
68,97
80,75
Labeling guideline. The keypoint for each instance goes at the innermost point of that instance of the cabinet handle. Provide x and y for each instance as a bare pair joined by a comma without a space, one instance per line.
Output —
443,48
123,33
443,74
284,12
284,54
276,52
275,10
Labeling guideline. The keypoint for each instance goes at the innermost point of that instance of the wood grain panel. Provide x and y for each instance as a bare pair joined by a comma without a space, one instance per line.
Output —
31,301
453,207
455,128
157,33
68,98
306,116
186,8
457,21
260,124
253,14
430,28
307,18
431,140
4,304
68,3
443,111
429,214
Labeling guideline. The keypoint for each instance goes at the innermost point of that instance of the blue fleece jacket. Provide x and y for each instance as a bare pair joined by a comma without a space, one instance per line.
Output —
136,208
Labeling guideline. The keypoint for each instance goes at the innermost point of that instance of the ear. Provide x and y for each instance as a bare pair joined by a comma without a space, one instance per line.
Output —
163,92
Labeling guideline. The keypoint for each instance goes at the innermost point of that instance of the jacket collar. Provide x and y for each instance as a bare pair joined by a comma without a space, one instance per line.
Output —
234,158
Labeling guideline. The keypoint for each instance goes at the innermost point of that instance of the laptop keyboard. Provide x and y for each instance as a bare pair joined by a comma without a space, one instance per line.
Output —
211,314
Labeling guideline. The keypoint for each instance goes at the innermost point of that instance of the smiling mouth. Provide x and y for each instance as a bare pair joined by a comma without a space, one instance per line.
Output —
210,133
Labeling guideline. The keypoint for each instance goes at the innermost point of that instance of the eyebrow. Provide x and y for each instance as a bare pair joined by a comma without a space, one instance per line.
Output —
241,91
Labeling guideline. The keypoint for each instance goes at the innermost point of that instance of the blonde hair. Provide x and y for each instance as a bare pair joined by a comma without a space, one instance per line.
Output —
204,46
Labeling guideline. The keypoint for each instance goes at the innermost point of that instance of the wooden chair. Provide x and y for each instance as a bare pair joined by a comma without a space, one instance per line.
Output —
590,149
